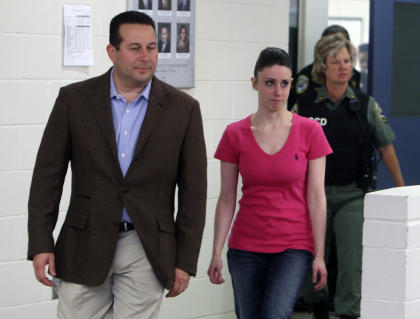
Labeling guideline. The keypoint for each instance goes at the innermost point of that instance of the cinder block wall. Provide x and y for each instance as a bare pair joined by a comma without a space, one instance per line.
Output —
229,34
391,254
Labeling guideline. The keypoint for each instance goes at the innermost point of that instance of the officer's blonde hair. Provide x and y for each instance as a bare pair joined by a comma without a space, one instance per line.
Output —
329,46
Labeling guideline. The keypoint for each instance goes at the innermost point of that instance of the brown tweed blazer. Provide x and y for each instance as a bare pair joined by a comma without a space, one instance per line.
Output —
170,152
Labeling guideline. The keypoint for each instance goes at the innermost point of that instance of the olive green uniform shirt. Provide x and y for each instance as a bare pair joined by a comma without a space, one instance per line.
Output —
382,131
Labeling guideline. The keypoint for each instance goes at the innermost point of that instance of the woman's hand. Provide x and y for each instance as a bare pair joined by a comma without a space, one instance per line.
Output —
215,270
319,273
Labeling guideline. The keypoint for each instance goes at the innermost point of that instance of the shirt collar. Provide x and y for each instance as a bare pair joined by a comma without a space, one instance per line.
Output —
322,94
114,93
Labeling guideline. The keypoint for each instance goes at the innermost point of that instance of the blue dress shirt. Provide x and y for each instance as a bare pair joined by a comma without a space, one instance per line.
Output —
128,119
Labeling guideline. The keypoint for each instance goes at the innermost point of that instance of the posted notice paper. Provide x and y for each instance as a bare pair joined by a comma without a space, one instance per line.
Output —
77,35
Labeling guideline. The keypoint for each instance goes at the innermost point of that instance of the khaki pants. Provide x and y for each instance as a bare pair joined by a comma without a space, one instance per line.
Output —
131,290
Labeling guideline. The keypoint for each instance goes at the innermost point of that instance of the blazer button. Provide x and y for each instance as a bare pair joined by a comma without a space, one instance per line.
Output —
124,190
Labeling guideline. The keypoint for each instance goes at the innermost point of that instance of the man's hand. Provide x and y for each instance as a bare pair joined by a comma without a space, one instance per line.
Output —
40,262
181,281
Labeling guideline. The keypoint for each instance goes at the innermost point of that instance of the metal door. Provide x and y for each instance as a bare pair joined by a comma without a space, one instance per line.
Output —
394,79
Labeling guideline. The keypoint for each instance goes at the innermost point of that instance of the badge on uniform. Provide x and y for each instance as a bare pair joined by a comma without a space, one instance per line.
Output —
380,113
302,84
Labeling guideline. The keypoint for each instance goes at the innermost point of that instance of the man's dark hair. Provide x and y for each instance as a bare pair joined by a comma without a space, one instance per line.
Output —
335,28
133,17
272,56
364,47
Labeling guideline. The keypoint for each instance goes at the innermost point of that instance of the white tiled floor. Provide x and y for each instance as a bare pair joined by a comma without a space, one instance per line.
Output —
305,315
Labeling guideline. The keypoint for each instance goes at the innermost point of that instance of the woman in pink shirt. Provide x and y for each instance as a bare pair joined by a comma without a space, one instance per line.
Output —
280,226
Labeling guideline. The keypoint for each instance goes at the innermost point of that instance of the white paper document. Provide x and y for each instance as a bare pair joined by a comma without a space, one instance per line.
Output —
77,35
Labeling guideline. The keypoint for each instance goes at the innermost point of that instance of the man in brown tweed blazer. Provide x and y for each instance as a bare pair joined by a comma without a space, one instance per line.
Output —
130,140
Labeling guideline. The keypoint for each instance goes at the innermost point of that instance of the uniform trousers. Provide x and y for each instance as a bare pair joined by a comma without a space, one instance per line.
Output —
131,289
345,223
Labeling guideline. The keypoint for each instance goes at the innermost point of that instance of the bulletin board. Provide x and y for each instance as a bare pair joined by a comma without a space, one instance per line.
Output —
175,29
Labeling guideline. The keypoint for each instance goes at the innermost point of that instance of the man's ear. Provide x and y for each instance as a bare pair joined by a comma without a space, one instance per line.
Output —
112,52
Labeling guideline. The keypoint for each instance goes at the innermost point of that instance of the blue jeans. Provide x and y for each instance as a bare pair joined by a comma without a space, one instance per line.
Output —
265,285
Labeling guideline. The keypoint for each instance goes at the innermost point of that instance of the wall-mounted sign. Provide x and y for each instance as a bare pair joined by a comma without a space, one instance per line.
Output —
175,27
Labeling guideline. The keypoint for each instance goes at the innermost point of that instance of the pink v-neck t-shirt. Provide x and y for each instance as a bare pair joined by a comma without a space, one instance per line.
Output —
273,212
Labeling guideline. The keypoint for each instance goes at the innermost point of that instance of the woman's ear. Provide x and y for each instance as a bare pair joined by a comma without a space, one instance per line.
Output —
254,83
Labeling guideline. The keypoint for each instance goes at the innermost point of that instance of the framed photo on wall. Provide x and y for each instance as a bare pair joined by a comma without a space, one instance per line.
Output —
175,30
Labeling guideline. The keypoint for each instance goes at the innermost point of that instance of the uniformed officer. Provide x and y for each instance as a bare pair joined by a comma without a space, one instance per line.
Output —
304,82
355,126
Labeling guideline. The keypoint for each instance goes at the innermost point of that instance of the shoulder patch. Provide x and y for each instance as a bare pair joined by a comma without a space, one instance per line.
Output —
302,84
380,113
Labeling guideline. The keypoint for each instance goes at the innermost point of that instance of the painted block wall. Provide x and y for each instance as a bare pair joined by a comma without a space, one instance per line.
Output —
391,254
229,34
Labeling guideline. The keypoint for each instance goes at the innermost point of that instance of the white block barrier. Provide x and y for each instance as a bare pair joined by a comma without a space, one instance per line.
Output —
391,254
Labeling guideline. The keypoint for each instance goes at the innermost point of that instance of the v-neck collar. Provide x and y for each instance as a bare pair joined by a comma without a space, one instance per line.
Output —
285,145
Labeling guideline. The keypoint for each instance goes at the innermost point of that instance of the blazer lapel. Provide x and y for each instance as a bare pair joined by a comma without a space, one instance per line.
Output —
154,113
101,103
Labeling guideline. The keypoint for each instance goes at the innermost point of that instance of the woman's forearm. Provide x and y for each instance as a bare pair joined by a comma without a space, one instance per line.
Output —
390,159
317,214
